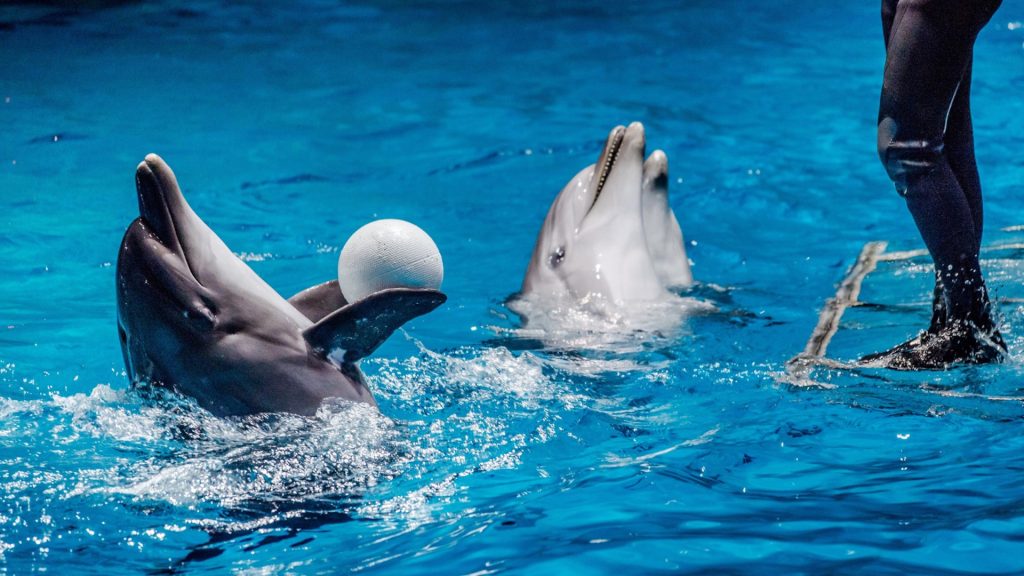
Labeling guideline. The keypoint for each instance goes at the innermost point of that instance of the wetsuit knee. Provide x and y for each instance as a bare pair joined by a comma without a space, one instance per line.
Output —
906,160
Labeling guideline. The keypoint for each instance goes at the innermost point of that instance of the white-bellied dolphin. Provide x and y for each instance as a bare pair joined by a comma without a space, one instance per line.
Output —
611,233
192,316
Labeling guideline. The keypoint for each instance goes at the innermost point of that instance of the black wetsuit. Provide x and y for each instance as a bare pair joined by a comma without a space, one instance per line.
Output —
926,142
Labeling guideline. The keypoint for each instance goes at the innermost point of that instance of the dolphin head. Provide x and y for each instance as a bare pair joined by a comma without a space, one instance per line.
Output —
194,317
157,283
170,236
594,240
189,311
169,254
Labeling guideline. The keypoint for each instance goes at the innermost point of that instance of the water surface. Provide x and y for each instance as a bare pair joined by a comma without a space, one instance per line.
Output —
290,125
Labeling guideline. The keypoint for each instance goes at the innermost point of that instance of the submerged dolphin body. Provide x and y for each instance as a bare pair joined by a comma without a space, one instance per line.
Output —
192,316
611,233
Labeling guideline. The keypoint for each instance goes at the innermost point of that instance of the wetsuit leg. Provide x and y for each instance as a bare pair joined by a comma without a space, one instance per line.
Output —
960,149
927,83
938,320
959,142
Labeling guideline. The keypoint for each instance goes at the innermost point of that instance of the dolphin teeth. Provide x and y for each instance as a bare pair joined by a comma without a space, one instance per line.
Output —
609,161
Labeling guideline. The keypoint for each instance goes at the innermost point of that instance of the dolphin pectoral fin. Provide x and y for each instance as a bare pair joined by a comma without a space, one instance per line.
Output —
318,301
361,327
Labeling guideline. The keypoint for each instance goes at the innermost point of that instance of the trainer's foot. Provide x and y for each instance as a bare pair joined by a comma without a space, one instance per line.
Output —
955,343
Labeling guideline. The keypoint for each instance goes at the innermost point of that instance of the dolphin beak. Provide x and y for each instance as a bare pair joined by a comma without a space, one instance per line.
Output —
625,149
621,143
605,161
634,138
656,173
157,189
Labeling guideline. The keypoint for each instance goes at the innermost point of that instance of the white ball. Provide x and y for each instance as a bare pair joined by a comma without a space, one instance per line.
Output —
388,254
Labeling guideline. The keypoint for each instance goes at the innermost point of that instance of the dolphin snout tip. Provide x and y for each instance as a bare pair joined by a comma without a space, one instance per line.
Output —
635,136
153,181
154,169
658,159
149,163
618,130
153,160
656,172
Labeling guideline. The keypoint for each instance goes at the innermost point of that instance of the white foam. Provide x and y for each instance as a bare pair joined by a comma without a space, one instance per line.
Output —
472,411
600,336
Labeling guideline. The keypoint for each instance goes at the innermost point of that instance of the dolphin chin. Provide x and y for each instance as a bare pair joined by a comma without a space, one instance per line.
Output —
611,233
193,317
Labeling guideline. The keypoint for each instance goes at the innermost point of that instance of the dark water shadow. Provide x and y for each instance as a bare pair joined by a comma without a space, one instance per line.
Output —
285,520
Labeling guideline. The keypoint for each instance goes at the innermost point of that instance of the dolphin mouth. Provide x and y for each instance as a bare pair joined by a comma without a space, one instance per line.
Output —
607,160
161,204
153,204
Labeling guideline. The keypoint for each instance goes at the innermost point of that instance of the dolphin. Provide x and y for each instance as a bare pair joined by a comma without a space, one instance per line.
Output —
193,317
611,233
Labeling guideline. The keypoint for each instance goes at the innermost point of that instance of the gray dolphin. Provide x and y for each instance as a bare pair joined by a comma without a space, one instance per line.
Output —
193,317
611,231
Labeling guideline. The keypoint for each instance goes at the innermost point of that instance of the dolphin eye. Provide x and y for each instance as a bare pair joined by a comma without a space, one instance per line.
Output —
556,257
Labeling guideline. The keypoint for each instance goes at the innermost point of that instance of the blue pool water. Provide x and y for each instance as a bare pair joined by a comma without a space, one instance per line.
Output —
292,124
